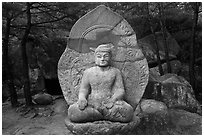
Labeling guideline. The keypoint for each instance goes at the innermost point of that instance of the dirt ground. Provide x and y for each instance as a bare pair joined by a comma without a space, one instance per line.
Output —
49,120
38,120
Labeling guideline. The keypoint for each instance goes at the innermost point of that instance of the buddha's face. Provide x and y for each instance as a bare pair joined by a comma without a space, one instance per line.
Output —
102,59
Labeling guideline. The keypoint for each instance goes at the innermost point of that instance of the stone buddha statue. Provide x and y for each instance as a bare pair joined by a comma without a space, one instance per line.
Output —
101,92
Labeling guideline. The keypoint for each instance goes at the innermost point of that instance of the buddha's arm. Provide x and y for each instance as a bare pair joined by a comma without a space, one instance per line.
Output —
84,87
118,89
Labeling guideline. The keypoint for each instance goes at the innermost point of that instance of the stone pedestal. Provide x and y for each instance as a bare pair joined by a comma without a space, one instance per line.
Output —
101,127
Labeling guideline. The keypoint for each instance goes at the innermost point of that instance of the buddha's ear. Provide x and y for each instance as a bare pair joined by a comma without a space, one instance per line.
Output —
92,49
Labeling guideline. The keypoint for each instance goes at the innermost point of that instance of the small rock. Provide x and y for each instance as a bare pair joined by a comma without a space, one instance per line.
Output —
42,99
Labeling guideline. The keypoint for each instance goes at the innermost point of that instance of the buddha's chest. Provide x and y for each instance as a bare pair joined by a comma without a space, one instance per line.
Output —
102,80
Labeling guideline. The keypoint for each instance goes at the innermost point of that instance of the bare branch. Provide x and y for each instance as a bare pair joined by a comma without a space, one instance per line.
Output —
50,21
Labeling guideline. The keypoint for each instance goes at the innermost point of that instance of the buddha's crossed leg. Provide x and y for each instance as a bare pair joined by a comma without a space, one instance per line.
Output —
120,112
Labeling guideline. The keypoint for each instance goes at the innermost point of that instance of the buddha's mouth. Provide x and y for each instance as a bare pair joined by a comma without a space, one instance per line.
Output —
103,62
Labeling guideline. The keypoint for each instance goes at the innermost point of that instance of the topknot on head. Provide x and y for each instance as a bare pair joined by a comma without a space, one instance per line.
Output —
104,48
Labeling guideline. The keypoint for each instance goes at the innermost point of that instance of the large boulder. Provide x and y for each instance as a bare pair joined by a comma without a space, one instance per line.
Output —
174,91
171,122
102,25
149,106
184,122
155,123
157,119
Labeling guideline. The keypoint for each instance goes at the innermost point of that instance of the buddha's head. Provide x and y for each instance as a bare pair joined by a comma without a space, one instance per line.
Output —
103,55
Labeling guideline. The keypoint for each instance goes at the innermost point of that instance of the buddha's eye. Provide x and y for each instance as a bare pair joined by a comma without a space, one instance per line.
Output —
98,56
106,56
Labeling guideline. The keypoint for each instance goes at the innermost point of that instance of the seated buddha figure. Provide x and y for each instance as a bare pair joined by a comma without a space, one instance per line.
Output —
101,92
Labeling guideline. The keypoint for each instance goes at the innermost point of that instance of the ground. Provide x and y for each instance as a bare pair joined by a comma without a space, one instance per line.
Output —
49,120
38,120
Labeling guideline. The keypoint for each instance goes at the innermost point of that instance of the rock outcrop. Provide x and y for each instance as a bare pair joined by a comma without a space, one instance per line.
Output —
174,91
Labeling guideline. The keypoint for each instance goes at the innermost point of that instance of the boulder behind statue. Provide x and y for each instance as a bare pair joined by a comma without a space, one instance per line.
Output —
174,91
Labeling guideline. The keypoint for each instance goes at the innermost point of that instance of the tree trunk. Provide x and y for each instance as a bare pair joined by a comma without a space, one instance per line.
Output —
8,66
27,92
155,40
164,33
192,48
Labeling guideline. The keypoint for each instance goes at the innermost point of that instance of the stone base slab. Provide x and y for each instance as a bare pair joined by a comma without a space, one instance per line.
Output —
101,127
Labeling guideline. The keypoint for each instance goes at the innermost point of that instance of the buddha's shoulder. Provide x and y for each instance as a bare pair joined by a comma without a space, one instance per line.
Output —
115,69
90,70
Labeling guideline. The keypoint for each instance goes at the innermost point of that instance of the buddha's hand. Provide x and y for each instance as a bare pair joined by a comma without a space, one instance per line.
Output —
82,104
109,104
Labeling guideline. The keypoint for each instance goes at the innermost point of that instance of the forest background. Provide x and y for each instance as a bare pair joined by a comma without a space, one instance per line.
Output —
34,35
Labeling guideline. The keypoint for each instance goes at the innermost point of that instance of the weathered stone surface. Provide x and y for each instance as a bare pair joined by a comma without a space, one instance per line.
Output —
174,91
105,90
152,106
185,123
171,122
102,127
149,47
155,123
177,92
99,26
42,99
